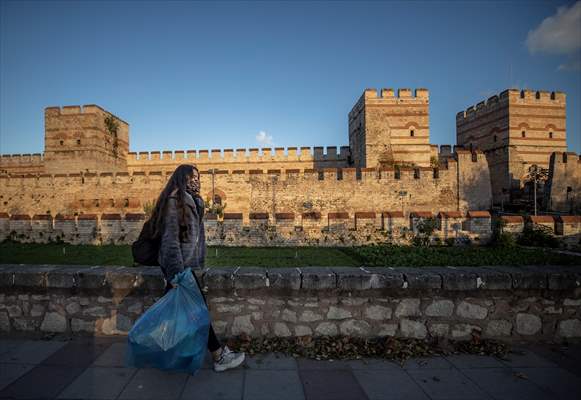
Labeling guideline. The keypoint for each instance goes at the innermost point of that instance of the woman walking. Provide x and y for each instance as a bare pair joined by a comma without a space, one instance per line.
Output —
178,219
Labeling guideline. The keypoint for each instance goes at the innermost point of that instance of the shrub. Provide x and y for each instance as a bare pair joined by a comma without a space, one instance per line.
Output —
504,239
499,237
537,236
425,229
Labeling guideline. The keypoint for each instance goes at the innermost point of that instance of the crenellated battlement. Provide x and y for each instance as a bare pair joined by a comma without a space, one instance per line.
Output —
282,154
565,157
388,96
21,159
534,97
394,173
402,94
55,111
493,103
513,96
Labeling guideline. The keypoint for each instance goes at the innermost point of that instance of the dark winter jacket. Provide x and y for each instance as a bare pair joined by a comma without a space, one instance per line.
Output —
174,255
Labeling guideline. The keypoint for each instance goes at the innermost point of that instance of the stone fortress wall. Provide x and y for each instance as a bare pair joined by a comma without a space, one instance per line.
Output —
516,129
460,183
389,166
385,129
242,158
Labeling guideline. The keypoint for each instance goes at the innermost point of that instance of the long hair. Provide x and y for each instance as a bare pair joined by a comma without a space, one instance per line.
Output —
179,179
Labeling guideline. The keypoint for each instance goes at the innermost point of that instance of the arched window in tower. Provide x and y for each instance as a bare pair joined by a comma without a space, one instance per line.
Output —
62,142
412,132
495,138
523,134
78,141
550,135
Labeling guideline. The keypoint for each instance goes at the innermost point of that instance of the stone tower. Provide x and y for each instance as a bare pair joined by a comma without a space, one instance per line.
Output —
515,129
386,129
84,139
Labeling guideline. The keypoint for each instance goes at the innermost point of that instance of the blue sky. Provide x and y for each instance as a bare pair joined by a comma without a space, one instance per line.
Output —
191,75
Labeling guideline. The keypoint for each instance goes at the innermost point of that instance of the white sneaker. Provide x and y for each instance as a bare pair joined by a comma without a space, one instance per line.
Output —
228,359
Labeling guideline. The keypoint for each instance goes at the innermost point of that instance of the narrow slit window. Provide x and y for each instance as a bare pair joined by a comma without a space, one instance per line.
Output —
523,134
412,132
550,135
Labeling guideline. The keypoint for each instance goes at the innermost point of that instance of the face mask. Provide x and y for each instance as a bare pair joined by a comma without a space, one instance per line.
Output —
192,191
192,188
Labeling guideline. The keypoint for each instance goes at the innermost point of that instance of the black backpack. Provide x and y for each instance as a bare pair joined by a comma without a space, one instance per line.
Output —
146,248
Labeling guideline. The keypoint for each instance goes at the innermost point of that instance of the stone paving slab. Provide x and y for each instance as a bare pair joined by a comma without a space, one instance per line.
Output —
389,385
307,363
77,353
522,357
30,351
268,385
93,368
447,384
563,384
153,384
373,364
474,361
207,384
428,363
10,372
41,382
9,345
114,356
567,357
98,383
506,384
331,384
271,361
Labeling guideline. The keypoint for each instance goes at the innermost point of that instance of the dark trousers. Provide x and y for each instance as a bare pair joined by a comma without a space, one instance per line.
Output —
213,342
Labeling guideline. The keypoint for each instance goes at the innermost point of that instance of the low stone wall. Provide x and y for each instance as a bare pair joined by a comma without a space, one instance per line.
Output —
507,303
285,229
257,229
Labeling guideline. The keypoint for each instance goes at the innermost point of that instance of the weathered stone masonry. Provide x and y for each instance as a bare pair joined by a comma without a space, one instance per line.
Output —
286,229
389,164
510,303
87,168
262,229
517,129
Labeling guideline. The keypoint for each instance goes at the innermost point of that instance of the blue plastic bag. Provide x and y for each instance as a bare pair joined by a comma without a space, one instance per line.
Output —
173,333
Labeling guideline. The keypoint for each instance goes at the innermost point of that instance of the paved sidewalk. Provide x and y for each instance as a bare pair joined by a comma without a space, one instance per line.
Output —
92,368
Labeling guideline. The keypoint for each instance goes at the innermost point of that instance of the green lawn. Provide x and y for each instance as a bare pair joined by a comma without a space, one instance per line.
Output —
215,256
16,253
399,256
